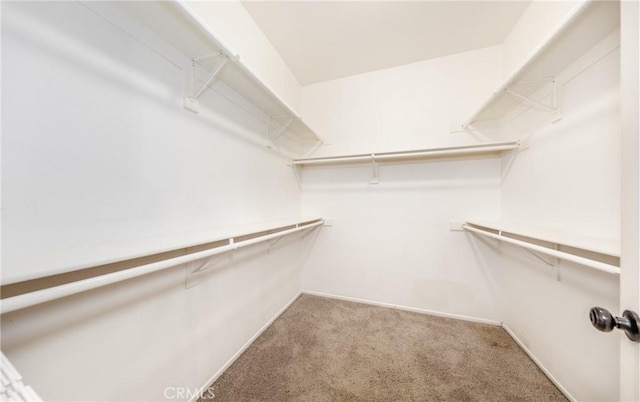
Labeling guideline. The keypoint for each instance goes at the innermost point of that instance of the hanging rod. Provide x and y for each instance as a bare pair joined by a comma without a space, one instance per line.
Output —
600,266
45,295
418,153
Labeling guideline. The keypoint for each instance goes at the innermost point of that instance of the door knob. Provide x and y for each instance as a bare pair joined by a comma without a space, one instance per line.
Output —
604,321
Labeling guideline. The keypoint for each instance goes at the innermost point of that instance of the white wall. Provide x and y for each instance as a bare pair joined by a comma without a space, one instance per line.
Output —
568,179
99,160
390,242
232,22
407,107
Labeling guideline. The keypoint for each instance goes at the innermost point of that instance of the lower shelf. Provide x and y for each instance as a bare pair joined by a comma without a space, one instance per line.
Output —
599,254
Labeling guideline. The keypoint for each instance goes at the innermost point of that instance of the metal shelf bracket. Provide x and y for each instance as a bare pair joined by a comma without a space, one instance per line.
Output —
296,172
375,168
275,134
551,264
193,269
273,244
553,108
191,101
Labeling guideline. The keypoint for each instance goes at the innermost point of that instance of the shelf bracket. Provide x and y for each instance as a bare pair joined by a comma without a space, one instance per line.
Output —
375,170
553,108
556,262
303,234
191,101
315,147
192,273
274,136
506,167
193,269
296,171
271,245
539,258
553,264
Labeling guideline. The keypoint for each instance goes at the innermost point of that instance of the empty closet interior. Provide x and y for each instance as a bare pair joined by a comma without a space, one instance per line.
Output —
170,185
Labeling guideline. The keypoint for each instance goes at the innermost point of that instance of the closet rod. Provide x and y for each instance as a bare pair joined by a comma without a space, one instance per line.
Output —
600,266
461,150
45,295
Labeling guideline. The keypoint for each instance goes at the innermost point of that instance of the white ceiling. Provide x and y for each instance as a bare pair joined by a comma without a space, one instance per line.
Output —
324,40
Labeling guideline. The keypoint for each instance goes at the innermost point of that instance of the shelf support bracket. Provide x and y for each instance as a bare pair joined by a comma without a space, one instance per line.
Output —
271,245
506,168
296,171
556,262
192,273
553,264
554,95
539,258
191,102
193,269
272,136
375,168
302,236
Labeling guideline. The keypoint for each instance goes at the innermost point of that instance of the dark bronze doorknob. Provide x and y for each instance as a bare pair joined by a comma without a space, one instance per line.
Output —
604,321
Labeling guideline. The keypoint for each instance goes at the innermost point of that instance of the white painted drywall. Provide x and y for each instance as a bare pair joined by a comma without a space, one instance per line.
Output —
390,242
407,107
100,159
569,178
232,22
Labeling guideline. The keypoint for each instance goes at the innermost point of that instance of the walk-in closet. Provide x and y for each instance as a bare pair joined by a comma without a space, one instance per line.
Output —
320,200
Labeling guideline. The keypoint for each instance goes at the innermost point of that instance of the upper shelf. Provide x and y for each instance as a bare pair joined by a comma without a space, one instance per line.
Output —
588,24
490,149
181,27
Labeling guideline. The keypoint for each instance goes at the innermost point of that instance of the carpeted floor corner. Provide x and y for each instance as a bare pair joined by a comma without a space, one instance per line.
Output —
330,350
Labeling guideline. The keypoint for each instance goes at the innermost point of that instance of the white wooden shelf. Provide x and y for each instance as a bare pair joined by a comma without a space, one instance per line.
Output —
104,253
589,23
595,244
194,252
599,253
490,149
182,28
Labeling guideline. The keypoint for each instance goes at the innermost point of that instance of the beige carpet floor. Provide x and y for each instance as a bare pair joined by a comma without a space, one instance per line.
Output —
329,350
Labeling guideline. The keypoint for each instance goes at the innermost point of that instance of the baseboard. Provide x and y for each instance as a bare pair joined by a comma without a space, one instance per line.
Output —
244,347
405,308
538,363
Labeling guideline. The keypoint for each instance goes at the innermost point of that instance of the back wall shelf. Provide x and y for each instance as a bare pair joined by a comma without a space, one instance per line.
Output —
495,149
